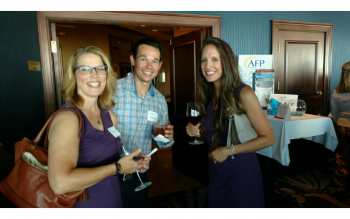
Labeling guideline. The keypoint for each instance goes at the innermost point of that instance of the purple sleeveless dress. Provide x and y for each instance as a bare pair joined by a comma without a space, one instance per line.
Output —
99,148
234,182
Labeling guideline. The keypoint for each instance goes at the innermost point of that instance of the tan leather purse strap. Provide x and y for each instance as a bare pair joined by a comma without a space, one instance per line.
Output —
48,124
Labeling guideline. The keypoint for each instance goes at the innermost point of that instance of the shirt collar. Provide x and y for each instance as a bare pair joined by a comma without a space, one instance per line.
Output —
130,84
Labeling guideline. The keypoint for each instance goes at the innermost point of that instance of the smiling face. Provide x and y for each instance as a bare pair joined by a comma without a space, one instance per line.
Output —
147,64
91,85
211,64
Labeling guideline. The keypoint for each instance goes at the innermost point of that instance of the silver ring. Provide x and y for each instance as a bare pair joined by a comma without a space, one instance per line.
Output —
214,161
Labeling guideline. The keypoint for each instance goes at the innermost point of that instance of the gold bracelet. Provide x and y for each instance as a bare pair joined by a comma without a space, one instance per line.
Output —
232,151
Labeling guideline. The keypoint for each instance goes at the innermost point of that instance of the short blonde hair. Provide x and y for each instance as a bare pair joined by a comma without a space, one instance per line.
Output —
344,83
69,83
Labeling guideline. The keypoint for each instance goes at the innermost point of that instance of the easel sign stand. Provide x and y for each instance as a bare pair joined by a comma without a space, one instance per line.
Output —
284,112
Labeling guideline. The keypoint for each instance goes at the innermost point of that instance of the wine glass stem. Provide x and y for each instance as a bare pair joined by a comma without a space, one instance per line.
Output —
195,140
137,172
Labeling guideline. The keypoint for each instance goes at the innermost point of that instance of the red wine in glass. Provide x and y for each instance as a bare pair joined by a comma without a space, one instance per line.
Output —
194,117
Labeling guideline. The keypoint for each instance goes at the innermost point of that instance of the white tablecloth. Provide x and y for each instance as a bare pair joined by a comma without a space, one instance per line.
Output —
315,128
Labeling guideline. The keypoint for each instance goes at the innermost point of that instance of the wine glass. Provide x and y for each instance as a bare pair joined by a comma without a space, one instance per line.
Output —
193,116
143,185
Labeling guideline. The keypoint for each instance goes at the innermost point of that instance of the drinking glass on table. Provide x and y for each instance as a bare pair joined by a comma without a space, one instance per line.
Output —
194,117
129,142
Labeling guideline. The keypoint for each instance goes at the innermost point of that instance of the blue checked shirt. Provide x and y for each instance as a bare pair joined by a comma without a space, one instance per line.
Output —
132,112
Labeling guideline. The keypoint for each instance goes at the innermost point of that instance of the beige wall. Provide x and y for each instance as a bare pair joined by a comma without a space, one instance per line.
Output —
97,35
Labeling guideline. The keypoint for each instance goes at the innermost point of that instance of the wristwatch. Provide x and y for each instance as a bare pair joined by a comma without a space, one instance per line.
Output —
118,166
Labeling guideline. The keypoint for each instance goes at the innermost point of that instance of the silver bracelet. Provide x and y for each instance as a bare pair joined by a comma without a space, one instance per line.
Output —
232,151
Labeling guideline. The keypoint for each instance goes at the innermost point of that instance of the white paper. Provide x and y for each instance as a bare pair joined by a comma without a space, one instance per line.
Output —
284,112
160,138
153,151
152,116
263,94
283,98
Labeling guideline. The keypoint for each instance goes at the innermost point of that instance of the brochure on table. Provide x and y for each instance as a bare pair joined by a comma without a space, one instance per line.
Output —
248,65
288,99
263,85
284,112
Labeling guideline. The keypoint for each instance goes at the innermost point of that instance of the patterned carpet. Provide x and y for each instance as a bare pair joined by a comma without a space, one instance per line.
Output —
307,189
311,189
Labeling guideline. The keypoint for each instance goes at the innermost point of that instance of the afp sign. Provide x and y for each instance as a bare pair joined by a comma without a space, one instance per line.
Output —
253,62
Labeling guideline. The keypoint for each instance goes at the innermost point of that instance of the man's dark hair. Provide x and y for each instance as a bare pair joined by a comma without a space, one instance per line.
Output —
149,42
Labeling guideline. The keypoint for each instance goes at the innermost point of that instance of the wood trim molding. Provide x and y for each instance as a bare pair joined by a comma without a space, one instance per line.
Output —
46,65
327,29
154,18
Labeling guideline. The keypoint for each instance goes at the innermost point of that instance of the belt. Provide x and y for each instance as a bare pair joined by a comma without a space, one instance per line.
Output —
127,176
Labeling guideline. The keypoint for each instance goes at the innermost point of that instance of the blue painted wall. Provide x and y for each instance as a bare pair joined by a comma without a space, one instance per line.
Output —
22,107
22,110
250,32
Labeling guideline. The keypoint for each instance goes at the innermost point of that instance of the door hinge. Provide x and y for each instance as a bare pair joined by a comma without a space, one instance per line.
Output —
279,48
53,46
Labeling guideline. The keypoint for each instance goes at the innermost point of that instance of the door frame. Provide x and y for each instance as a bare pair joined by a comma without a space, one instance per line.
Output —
151,18
327,29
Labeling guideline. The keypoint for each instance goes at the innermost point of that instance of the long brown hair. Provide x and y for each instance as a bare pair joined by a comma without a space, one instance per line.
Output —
344,83
69,83
229,99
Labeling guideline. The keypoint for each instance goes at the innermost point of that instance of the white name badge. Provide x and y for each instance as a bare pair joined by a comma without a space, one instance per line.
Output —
152,116
114,132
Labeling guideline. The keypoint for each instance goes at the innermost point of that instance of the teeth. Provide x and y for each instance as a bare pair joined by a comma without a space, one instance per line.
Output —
149,73
210,73
95,84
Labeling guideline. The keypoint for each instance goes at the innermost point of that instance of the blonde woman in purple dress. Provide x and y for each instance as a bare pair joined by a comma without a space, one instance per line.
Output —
93,161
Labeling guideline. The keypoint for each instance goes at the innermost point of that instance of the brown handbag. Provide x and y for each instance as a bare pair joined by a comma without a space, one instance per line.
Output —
27,185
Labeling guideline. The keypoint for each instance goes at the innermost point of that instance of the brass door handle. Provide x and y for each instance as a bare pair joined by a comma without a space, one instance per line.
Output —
319,92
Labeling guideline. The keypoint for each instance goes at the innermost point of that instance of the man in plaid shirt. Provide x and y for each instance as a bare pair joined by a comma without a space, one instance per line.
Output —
138,106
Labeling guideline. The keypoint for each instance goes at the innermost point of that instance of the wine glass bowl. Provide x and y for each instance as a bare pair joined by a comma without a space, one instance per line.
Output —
126,152
194,116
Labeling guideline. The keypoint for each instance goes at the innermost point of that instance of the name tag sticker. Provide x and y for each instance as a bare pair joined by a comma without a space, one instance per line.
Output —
114,132
152,116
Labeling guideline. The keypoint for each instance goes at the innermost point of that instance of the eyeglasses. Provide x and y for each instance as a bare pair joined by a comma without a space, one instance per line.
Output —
86,70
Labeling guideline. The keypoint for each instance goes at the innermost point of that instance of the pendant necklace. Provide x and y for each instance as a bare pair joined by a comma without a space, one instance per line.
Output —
98,121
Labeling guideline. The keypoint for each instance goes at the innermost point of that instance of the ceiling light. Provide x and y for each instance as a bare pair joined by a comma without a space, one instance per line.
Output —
154,30
142,25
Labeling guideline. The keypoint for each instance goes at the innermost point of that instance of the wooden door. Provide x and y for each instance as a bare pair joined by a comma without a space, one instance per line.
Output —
57,64
302,54
189,159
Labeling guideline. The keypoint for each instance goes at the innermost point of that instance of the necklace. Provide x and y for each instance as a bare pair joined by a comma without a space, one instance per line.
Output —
98,121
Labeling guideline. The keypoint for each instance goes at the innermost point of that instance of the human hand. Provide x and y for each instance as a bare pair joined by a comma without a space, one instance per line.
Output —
220,154
145,161
169,132
128,164
193,130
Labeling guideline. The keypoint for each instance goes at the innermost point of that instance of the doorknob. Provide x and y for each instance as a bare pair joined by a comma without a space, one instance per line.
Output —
319,92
